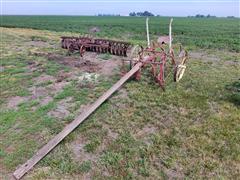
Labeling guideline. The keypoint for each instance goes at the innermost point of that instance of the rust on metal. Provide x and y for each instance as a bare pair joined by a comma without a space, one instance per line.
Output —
83,44
157,54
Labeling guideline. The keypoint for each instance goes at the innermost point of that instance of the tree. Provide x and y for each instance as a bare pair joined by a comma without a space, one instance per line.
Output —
199,16
145,13
132,14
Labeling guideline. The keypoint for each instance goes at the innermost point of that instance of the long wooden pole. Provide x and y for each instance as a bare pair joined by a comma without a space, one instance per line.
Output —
23,169
170,34
147,29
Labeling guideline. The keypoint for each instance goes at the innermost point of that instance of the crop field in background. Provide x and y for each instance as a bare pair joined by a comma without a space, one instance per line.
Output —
189,131
218,33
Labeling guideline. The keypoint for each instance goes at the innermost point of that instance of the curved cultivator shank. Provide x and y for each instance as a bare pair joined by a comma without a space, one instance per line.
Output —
83,44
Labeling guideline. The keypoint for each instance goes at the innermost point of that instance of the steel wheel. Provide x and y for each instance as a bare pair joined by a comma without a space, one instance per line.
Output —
135,55
82,50
180,68
179,71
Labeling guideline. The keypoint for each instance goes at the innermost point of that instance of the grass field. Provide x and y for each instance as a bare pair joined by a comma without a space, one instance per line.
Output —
218,33
189,131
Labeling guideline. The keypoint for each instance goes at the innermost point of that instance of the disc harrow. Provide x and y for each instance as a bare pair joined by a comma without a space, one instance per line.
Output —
83,44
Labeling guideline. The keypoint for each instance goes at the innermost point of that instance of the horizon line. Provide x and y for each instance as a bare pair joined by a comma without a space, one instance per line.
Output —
115,15
119,1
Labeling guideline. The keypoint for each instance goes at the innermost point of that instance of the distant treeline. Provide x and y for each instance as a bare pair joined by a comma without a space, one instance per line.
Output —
203,16
145,13
207,16
108,15
149,14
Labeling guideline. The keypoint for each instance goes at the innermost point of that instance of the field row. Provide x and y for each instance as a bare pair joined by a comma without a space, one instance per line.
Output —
216,33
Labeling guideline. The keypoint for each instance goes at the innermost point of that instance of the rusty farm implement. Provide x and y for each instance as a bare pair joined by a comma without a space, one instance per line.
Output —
156,54
161,57
83,44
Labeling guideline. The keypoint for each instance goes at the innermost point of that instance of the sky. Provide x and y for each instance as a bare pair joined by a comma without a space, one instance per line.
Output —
220,8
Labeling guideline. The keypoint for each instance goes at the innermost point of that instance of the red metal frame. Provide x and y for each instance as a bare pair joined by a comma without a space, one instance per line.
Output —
83,44
151,56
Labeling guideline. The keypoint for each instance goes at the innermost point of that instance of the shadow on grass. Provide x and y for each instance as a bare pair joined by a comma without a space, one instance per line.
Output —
234,90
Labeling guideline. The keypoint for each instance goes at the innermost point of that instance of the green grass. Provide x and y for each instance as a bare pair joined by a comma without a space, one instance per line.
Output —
234,96
218,33
189,131
105,56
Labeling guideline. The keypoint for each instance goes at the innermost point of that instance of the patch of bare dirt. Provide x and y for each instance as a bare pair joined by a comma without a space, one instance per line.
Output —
45,94
205,57
80,155
10,149
145,131
183,111
37,53
35,66
94,29
121,94
46,100
13,102
16,127
88,66
37,44
84,65
38,92
44,78
57,87
62,110
83,108
6,176
232,63
174,173
1,68
109,66
64,76
90,62
111,135
78,145
79,152
49,173
39,170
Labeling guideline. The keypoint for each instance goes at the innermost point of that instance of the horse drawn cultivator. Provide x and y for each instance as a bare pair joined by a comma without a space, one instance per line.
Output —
159,55
156,54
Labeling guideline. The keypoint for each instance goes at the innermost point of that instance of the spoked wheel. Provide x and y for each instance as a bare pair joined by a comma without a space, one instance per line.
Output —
135,55
180,68
82,50
179,72
70,50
